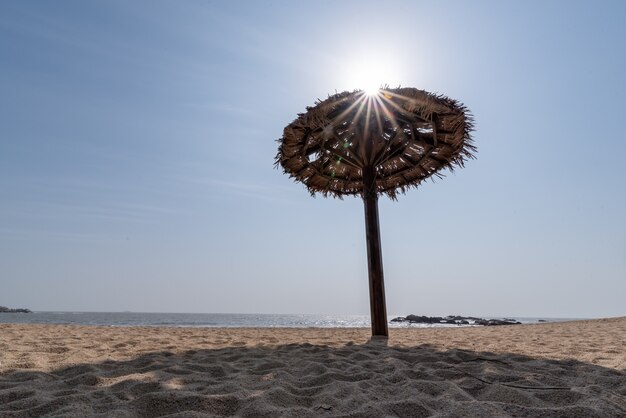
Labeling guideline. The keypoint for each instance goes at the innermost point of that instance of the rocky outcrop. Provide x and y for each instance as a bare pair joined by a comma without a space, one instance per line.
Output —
454,320
4,309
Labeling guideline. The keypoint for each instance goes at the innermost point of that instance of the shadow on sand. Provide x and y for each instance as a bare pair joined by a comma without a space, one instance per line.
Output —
315,380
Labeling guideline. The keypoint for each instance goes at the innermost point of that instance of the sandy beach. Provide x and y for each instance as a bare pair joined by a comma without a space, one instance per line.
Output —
575,369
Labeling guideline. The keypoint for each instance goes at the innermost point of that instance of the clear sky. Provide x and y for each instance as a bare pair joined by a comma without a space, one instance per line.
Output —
137,143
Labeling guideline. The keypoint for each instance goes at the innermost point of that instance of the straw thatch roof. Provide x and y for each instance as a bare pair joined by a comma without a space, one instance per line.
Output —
406,134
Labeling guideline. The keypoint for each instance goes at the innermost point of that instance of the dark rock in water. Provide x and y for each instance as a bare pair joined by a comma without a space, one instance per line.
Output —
454,320
413,318
9,310
423,319
420,319
542,320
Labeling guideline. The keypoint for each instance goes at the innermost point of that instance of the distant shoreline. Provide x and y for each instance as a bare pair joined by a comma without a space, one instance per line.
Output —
4,309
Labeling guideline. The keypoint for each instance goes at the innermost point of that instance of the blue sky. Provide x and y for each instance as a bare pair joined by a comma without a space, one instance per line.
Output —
137,143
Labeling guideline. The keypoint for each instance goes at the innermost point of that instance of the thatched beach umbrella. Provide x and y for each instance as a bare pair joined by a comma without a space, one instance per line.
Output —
360,144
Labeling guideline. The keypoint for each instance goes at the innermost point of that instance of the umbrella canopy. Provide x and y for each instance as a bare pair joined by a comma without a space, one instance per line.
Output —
361,144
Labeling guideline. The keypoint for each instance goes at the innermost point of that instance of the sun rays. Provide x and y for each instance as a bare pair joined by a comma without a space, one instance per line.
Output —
405,135
373,107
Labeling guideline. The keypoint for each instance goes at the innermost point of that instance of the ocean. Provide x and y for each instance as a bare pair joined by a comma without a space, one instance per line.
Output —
218,320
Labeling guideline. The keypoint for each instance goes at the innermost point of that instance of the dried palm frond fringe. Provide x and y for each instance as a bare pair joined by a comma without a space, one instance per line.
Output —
407,135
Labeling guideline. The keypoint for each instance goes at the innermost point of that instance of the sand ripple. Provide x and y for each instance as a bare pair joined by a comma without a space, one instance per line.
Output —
573,369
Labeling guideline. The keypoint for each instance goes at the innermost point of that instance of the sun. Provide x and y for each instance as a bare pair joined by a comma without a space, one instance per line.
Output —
369,73
370,79
371,90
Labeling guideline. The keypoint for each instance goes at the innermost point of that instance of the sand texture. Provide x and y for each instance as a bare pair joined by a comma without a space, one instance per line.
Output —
572,369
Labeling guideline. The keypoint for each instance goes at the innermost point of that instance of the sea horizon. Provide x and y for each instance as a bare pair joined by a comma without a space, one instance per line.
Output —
230,320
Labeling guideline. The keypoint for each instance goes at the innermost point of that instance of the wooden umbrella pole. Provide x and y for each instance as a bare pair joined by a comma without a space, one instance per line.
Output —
378,307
